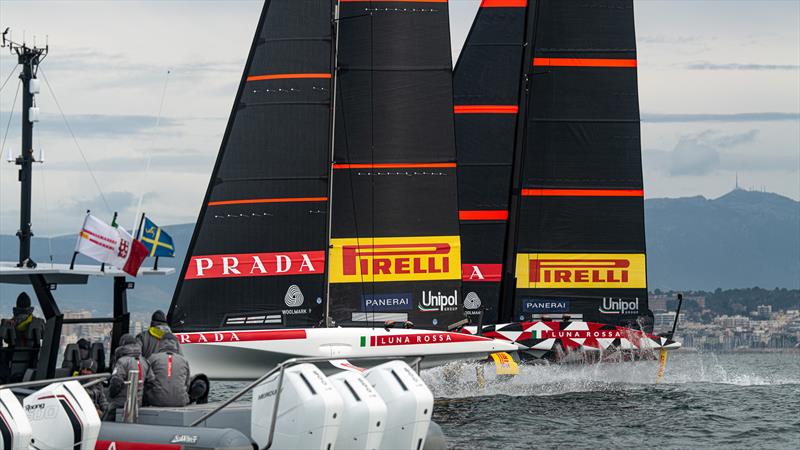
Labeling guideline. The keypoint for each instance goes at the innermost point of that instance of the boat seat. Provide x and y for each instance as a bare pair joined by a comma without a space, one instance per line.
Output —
23,359
98,354
71,358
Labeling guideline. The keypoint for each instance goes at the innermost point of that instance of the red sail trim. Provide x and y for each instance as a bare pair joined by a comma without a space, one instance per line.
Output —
485,109
583,62
504,3
583,193
211,337
287,76
481,272
396,166
483,215
269,200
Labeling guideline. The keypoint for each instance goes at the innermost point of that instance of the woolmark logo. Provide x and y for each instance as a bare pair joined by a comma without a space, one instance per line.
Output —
395,259
472,301
293,297
619,306
256,265
438,302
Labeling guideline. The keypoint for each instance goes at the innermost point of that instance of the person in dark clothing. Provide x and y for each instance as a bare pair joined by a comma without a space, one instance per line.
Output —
150,339
127,357
199,389
96,391
23,329
169,384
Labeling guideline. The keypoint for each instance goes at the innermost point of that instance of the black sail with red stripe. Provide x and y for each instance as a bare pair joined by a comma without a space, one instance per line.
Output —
579,247
395,247
257,256
486,86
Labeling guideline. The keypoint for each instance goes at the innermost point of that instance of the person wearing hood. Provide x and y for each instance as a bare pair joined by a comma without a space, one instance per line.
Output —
150,339
127,357
23,324
169,385
95,391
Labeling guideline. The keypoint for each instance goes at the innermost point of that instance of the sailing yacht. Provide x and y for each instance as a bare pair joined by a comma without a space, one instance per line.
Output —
550,177
330,225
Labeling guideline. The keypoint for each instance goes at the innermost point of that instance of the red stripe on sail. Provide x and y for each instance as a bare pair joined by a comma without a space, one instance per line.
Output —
481,272
269,200
287,76
485,109
583,193
504,3
583,62
240,336
256,264
483,215
396,166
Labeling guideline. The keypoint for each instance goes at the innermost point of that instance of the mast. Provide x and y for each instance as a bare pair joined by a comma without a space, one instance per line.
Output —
508,282
29,58
334,72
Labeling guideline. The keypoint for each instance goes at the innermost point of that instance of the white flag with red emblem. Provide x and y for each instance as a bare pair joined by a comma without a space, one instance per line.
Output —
110,245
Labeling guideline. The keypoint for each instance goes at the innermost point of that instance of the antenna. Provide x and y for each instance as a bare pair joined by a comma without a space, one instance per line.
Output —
29,58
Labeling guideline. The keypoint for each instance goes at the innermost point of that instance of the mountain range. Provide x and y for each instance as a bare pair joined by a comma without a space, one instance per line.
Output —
741,239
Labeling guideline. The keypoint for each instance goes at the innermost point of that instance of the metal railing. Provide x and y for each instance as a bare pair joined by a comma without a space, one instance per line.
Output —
280,369
95,378
130,411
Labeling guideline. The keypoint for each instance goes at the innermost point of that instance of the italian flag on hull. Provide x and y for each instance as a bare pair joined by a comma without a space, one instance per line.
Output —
110,245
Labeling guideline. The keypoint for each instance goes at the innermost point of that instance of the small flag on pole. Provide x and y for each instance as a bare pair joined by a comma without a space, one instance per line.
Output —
110,245
156,240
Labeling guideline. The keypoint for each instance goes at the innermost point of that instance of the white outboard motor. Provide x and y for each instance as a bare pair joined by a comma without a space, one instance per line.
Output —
409,403
62,415
309,410
15,430
365,413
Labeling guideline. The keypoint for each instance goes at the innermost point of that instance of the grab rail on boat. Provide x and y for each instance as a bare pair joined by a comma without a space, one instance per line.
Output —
280,369
92,378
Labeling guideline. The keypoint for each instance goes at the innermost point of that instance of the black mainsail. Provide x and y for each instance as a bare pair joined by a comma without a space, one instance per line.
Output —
395,246
359,208
486,86
577,218
257,255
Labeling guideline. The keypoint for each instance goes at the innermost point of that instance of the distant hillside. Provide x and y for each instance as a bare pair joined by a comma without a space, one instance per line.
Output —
742,239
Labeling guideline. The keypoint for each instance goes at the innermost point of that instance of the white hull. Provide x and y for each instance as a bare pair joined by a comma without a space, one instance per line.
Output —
248,354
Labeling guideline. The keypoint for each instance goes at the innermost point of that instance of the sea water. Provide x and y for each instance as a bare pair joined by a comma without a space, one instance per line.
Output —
705,400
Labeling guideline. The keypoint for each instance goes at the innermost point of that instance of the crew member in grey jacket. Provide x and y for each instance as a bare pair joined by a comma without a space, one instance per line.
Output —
169,385
150,339
128,356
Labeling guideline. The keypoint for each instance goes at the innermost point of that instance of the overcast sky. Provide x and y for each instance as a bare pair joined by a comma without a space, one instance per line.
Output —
719,94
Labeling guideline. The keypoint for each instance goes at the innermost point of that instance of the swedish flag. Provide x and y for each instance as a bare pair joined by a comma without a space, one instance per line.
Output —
157,241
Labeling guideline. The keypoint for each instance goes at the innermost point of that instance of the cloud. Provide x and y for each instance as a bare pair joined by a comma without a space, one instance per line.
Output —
101,125
737,117
122,202
704,152
704,65
163,160
732,140
692,156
